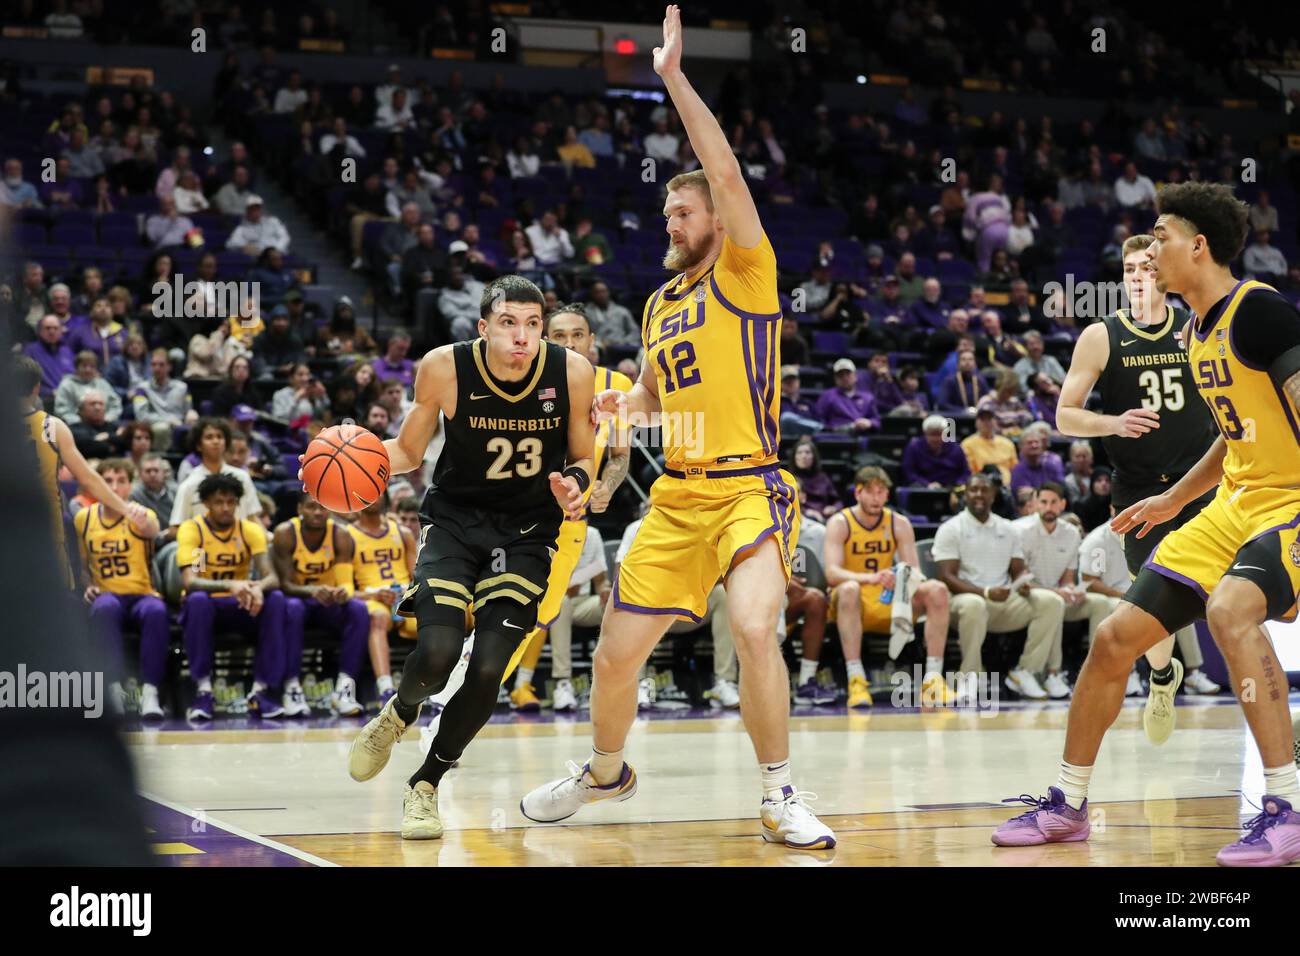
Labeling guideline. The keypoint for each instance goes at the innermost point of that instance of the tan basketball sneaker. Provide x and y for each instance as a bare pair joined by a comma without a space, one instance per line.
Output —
1158,718
370,750
420,820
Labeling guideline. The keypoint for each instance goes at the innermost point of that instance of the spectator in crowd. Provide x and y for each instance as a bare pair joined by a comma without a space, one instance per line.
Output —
258,230
817,288
910,285
154,488
367,202
1133,190
1018,316
794,347
522,160
1051,549
52,354
963,390
392,395
423,264
460,302
915,403
84,162
163,402
1036,361
167,227
397,238
1078,481
930,460
394,363
612,323
304,397
1095,509
661,145
986,447
1037,464
340,137
1263,214
73,388
137,441
844,408
210,355
573,152
170,177
881,384
210,441
290,97
805,463
97,332
980,558
590,247
798,417
188,194
1148,143
1007,405
279,348
384,91
1264,261
1020,234
411,190
92,287
238,388
342,338
232,198
1043,396
550,242
94,435
273,278
15,191
929,312
996,348
130,367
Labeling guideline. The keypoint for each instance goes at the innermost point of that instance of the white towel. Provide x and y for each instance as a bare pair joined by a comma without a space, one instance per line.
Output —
901,630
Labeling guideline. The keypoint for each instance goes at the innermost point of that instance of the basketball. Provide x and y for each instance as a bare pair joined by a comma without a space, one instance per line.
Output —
345,468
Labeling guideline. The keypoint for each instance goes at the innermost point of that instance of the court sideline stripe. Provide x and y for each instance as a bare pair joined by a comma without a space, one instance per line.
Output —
238,831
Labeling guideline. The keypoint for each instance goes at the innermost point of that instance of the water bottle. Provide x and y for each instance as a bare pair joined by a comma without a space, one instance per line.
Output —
398,591
887,596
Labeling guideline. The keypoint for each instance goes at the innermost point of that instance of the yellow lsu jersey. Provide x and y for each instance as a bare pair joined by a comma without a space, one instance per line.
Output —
313,566
379,560
714,343
220,557
117,557
1253,415
869,548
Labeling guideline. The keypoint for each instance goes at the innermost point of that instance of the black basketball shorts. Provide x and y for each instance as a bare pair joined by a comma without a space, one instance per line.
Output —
1137,550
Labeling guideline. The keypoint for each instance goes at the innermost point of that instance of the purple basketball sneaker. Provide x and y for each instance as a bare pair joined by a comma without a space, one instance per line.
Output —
1273,840
1051,821
202,707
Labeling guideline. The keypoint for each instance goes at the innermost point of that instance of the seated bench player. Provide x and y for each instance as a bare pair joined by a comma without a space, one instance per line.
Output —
384,556
217,553
312,555
118,554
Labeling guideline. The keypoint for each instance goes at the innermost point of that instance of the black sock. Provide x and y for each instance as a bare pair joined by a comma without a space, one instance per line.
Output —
1163,676
432,770
407,712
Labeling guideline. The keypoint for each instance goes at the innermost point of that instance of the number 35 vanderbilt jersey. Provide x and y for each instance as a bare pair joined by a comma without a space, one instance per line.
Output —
714,344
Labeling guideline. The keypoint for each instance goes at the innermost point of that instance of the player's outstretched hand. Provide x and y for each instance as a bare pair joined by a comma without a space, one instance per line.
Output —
300,458
1148,513
669,56
1136,422
607,404
567,494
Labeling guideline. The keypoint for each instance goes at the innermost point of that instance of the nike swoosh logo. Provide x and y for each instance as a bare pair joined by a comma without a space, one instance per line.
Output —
1129,342
526,530
475,398
515,626
1245,567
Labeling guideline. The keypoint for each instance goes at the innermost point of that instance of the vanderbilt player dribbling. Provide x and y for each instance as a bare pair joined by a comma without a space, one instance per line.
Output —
1154,429
515,410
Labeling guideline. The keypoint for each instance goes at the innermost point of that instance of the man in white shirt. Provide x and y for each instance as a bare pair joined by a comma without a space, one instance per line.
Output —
1103,570
1262,260
339,133
187,495
980,558
662,145
258,231
395,114
384,92
1051,552
551,245
1133,189
290,96
725,666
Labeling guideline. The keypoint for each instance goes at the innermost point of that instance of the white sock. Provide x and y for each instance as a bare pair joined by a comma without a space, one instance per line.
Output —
343,680
1073,782
204,686
145,688
856,669
525,676
292,684
384,682
933,665
115,687
1281,782
807,670
605,767
258,687
777,784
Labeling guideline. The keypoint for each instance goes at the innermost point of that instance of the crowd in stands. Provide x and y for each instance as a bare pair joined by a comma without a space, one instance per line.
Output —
915,337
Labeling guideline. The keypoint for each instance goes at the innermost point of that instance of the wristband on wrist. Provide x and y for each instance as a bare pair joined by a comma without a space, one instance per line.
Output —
579,475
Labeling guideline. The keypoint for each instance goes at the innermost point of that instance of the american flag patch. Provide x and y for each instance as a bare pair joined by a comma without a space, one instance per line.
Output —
545,393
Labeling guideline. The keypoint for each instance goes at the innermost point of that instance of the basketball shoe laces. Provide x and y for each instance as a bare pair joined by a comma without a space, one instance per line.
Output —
1259,825
389,733
1039,805
796,805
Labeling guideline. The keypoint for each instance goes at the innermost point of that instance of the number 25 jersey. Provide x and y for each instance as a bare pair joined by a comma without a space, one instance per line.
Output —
714,343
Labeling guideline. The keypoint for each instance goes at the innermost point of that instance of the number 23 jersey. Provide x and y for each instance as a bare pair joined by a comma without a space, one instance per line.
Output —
714,343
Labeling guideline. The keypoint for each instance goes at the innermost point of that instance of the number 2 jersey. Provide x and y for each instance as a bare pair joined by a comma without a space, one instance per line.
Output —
506,437
714,343
1148,368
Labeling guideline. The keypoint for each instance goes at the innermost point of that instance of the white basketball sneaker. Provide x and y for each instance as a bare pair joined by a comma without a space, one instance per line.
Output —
645,693
1159,717
420,819
344,699
725,693
295,702
561,799
789,821
563,697
150,706
1057,687
372,747
1025,684
1134,686
1198,682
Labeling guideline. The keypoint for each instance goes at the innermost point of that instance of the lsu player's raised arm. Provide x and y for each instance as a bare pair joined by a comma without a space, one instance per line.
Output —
582,433
731,198
406,451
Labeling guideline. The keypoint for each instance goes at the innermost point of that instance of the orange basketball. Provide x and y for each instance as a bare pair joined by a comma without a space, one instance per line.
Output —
345,468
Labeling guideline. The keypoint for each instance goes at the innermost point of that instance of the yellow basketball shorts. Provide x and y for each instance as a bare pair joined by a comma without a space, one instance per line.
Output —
875,616
1249,532
568,544
700,527
405,627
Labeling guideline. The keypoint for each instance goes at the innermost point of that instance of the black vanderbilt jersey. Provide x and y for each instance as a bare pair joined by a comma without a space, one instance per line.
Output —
506,437
1148,368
